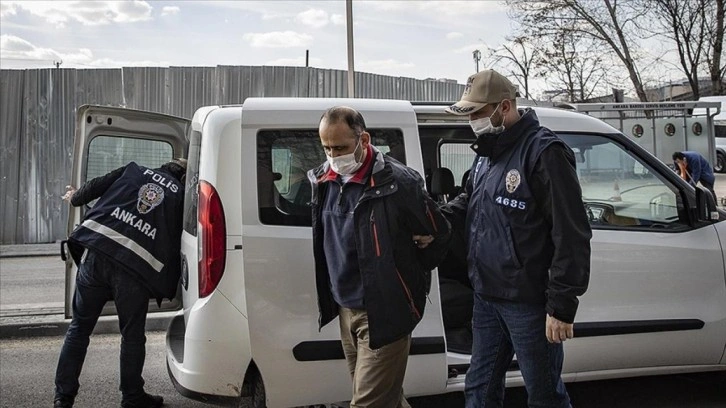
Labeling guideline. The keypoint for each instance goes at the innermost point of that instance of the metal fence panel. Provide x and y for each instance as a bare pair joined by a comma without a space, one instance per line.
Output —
12,84
37,117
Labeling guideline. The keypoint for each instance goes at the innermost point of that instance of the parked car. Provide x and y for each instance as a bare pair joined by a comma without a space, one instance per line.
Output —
720,166
719,124
247,332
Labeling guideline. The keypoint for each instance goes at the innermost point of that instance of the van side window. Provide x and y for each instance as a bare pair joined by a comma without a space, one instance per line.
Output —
283,160
456,156
620,190
446,146
191,192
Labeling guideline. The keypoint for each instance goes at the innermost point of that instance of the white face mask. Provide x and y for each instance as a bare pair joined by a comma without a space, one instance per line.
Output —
345,164
484,125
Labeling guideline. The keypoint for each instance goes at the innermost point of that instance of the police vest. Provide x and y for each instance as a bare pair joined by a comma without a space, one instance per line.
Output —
138,222
510,250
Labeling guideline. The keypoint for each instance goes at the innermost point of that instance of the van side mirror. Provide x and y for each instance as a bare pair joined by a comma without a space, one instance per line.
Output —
705,205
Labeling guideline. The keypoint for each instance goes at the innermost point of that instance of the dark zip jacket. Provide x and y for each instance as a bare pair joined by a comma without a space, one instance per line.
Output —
137,222
395,273
527,229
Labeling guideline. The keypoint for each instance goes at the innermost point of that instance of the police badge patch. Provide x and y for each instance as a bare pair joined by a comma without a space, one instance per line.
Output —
150,196
513,179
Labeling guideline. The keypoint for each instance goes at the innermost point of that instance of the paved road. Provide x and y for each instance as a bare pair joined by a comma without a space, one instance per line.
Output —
706,390
31,284
27,368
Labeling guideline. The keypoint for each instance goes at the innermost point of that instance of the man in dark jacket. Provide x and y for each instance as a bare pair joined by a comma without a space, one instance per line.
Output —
376,237
694,168
528,245
127,250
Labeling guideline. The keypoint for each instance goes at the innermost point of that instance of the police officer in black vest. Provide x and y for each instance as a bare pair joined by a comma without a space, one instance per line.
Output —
126,249
528,245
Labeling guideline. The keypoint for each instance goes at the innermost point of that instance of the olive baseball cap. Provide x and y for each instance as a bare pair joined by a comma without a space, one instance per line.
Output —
488,86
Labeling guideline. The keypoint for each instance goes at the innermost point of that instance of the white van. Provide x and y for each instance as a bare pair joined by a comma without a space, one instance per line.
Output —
719,125
248,332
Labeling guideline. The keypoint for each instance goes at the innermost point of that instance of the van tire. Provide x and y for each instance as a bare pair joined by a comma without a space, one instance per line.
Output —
253,390
720,166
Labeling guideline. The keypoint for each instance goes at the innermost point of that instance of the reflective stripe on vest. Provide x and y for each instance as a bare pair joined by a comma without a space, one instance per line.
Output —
124,241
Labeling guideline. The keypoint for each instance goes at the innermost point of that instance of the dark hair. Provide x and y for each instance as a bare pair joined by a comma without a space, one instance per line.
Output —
678,156
175,169
350,116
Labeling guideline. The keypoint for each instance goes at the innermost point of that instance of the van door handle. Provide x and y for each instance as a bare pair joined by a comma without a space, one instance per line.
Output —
63,255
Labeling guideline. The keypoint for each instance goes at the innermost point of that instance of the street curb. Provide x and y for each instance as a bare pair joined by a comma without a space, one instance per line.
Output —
59,326
27,255
30,250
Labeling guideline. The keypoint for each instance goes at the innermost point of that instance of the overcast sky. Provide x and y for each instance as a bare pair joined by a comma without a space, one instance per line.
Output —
418,39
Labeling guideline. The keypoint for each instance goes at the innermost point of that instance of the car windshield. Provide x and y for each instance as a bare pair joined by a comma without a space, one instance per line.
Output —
619,189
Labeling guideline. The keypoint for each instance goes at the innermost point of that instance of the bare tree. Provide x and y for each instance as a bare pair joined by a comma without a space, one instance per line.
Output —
610,23
713,57
519,56
574,65
686,24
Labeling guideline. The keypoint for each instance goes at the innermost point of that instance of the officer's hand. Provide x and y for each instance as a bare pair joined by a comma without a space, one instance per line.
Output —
558,331
422,241
70,190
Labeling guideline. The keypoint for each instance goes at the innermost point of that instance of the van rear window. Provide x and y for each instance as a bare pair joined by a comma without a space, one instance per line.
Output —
107,153
283,160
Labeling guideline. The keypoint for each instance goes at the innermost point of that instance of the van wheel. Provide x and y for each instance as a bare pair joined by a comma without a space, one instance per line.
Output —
720,166
253,390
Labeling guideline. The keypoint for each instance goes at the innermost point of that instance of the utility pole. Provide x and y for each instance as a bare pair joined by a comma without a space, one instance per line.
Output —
351,68
307,58
477,57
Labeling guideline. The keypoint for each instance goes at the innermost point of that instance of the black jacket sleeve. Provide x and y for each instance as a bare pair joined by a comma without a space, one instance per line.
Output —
557,190
455,210
95,188
425,218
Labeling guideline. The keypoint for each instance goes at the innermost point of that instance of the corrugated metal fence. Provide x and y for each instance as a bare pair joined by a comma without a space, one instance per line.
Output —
37,114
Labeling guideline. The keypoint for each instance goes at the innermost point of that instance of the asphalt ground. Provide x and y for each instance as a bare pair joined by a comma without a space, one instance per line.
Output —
20,318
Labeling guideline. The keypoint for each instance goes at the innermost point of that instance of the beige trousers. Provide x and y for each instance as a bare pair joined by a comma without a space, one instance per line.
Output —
377,374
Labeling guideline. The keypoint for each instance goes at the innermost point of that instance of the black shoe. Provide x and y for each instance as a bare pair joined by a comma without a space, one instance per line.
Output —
144,401
62,403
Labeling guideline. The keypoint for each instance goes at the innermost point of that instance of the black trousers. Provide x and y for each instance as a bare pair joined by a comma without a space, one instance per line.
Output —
709,187
99,280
